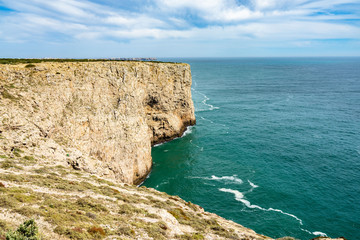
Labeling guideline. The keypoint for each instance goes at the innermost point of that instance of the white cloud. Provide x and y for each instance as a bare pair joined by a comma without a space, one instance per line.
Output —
275,20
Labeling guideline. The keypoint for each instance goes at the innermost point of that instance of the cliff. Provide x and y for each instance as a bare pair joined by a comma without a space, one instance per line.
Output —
101,117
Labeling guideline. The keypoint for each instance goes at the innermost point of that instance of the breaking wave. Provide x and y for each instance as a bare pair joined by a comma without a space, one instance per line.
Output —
239,196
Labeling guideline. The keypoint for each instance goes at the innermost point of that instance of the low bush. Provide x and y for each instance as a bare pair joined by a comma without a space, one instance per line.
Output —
26,231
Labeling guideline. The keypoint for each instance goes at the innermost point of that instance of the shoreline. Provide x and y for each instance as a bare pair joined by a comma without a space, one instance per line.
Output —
183,134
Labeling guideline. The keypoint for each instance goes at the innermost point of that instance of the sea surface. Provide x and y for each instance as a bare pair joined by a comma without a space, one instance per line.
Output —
276,146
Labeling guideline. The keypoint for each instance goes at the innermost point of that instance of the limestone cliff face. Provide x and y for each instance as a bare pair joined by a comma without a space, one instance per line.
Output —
101,117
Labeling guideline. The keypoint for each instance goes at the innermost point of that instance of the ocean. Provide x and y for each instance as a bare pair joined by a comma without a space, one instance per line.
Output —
276,147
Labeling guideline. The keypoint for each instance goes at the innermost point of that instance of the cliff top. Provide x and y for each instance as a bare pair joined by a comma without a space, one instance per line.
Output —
65,60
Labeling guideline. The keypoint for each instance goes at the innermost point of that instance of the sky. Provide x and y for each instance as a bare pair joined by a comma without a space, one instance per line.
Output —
178,28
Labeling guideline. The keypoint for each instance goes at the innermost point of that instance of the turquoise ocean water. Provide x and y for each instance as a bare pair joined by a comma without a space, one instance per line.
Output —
276,147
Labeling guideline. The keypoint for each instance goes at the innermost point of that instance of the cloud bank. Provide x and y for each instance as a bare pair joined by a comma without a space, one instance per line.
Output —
255,23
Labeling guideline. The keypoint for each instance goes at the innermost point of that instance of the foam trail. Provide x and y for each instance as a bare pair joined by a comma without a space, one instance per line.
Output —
210,107
233,179
285,213
253,186
227,178
239,196
195,83
207,120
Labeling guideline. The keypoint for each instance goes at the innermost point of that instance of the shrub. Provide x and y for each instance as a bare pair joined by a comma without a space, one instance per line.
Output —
6,94
97,232
26,231
30,65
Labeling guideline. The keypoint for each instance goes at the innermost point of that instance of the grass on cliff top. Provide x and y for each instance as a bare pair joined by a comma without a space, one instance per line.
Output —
30,61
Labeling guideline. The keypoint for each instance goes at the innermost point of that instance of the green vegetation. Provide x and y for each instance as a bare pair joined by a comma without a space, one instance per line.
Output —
194,236
9,164
154,230
6,94
17,152
26,231
29,158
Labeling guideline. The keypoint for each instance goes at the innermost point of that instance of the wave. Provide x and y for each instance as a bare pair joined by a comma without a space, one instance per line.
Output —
239,196
319,234
204,102
233,178
226,179
187,131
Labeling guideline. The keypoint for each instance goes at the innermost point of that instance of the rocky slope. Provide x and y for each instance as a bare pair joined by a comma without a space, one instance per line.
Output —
67,203
101,117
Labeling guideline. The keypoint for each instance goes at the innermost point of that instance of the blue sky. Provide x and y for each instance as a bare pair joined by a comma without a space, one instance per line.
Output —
179,28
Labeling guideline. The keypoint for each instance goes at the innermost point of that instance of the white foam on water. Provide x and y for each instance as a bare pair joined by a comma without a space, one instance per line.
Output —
285,213
159,144
319,234
204,102
233,178
252,184
187,131
239,196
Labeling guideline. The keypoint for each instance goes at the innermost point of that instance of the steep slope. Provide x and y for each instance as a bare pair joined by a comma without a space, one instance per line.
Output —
66,203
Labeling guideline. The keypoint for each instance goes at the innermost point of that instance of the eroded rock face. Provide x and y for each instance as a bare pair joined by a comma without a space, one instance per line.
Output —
101,117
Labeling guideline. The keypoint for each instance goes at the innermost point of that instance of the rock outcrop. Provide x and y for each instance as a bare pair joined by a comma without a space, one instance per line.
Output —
101,117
